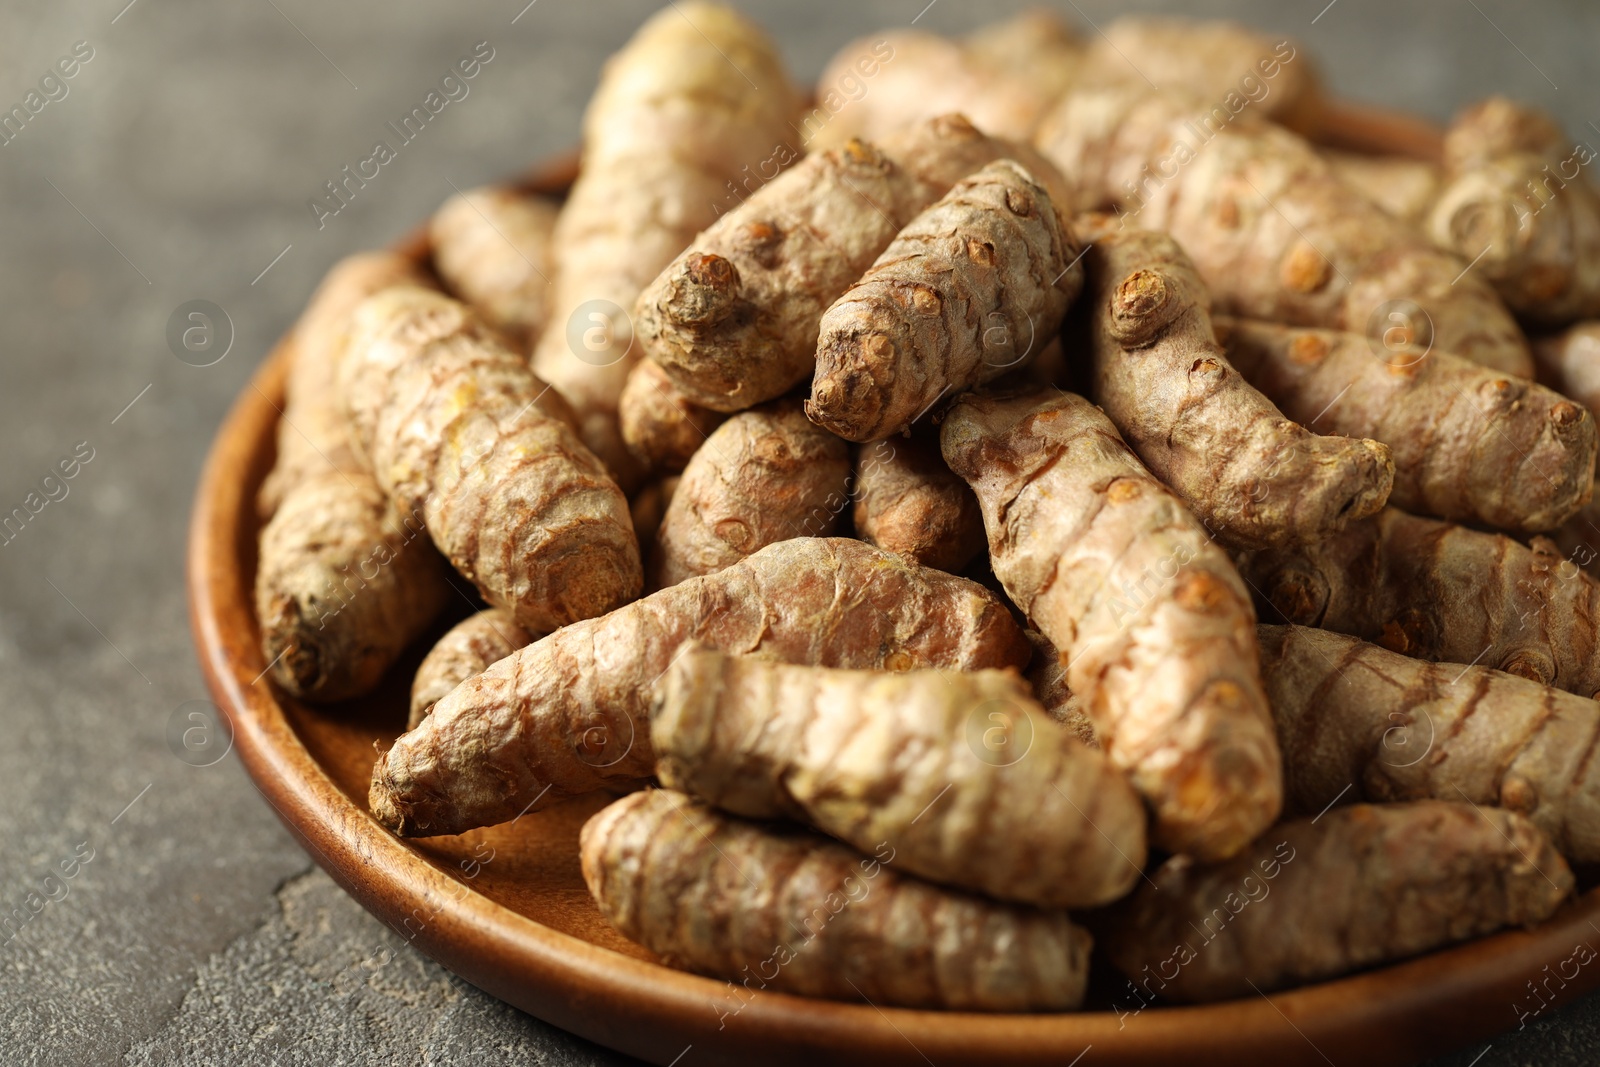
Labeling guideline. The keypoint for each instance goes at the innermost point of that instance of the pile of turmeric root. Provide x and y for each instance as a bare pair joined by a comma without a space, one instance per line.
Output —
1030,499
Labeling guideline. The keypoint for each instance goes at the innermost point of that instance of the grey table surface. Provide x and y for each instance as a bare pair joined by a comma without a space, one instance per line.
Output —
178,167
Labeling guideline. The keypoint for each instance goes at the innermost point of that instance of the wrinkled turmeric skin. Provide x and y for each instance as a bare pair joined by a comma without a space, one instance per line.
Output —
1469,444
1273,230
1253,477
765,475
963,773
908,501
697,94
569,714
1436,591
734,319
971,289
1315,898
494,249
1358,721
730,899
1517,202
460,432
662,427
1152,619
344,580
470,647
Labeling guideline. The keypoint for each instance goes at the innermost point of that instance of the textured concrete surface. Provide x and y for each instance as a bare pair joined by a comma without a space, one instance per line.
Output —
178,167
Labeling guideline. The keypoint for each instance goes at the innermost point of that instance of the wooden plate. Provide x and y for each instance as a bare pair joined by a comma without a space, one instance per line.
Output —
506,907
